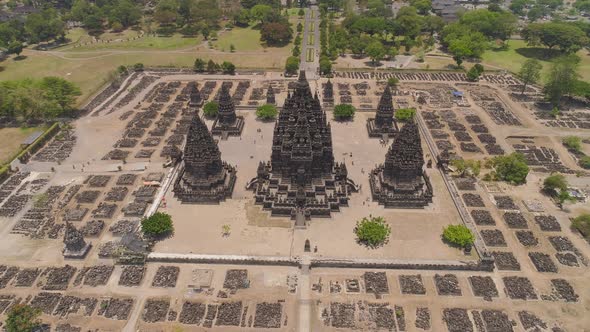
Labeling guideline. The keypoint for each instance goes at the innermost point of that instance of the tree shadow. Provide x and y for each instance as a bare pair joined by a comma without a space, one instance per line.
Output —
20,58
373,64
539,53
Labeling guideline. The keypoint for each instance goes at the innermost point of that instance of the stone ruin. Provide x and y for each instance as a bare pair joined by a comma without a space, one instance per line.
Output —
202,176
383,124
401,181
270,96
302,180
328,93
75,245
227,122
195,99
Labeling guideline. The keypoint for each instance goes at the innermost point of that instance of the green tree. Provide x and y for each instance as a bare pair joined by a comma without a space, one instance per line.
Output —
276,33
375,51
372,232
63,92
555,183
44,26
22,318
325,65
393,82
211,108
511,168
212,66
228,68
493,25
530,73
584,162
301,13
159,224
566,37
292,65
458,235
467,167
573,143
261,13
582,224
344,111
267,112
473,74
562,197
299,27
405,114
471,45
232,48
199,65
562,78
422,6
138,66
15,48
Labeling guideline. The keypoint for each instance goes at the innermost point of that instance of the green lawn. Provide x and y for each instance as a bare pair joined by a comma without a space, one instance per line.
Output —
243,39
11,141
176,41
518,52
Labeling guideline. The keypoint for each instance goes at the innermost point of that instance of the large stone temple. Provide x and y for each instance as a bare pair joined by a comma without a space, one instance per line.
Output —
302,180
401,181
227,122
202,177
383,125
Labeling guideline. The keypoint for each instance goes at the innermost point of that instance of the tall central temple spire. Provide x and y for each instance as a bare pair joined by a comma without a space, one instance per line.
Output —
302,180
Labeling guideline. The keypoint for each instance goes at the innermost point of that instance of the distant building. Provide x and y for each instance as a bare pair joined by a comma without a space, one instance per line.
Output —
447,9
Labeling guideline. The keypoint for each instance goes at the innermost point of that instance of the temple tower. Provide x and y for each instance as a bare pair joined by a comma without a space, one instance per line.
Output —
227,122
401,181
383,124
302,180
203,177
74,244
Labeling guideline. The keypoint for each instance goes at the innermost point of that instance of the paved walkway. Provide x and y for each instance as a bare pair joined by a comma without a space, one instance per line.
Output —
311,33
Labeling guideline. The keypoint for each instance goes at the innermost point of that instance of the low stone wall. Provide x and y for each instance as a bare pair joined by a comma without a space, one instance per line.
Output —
485,265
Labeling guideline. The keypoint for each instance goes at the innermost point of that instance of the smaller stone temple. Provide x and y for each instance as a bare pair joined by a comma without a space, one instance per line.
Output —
328,94
383,125
75,247
227,122
202,177
195,95
401,181
270,96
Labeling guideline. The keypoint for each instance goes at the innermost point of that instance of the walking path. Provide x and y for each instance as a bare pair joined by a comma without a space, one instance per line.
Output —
311,44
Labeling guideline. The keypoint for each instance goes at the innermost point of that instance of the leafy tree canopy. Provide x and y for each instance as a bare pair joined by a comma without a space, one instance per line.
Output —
211,108
372,232
511,168
555,183
458,235
158,224
344,111
405,114
267,112
582,224
573,143
22,318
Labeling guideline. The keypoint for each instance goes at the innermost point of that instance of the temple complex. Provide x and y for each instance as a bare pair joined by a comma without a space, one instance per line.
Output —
401,181
202,176
302,180
383,124
227,122
74,244
270,95
195,95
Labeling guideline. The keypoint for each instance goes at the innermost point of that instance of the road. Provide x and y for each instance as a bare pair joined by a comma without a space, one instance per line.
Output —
310,44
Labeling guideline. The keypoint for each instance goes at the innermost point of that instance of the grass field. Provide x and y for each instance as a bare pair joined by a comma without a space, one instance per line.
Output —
11,139
243,39
176,41
518,52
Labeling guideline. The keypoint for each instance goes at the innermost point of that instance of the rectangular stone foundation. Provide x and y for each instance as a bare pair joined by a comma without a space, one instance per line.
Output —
81,254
